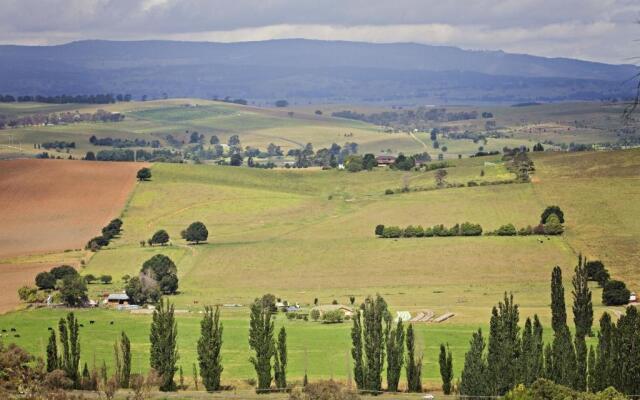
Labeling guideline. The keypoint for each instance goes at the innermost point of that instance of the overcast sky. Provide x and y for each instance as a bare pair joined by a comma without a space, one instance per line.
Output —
600,30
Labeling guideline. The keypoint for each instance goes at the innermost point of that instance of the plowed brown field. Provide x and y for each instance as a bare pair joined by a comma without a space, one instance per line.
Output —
52,206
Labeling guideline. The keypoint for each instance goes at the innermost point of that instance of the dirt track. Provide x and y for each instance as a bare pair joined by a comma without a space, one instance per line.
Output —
54,205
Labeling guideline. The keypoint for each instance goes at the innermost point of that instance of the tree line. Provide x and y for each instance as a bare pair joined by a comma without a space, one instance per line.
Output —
117,142
106,98
58,118
551,222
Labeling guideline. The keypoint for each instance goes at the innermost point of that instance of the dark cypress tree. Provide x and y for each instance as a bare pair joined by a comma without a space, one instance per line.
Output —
536,369
626,349
563,352
548,362
473,380
261,331
65,357
280,363
591,368
373,313
52,352
581,364
414,364
164,351
356,350
558,307
603,369
446,369
209,346
125,351
526,358
504,346
395,354
582,306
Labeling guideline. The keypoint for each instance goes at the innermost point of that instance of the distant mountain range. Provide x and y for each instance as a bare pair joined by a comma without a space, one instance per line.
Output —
306,71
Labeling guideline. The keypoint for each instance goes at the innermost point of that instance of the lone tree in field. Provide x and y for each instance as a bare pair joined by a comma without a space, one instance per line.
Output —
552,210
209,346
261,330
440,175
196,232
161,237
164,351
144,174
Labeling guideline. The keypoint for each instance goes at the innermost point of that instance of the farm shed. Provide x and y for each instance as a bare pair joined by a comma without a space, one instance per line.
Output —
385,160
347,311
116,299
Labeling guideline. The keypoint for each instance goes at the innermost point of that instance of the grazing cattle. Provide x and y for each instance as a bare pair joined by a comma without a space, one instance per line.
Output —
92,322
13,329
81,325
49,328
111,323
16,335
4,331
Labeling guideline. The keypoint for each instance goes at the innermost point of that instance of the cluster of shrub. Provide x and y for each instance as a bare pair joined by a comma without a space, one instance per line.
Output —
106,98
71,286
552,227
158,276
107,141
59,145
61,118
110,231
464,229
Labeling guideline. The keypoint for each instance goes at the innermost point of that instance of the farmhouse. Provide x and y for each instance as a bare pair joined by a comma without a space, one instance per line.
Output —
115,299
347,311
385,160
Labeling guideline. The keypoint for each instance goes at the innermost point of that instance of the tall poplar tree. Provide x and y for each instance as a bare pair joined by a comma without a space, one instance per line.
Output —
52,352
261,329
445,361
280,363
395,354
373,313
125,351
209,347
356,350
563,353
473,381
504,346
163,339
414,363
582,305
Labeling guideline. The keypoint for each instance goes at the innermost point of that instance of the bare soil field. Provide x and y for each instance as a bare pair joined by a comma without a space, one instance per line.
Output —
52,206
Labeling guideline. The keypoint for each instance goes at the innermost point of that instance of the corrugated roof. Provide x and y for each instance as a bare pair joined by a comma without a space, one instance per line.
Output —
118,296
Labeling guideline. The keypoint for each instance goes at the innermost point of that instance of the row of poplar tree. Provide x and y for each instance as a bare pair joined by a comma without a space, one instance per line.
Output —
514,357
375,337
63,353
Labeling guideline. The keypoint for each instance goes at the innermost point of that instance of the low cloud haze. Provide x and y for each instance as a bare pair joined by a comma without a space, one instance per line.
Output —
598,30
